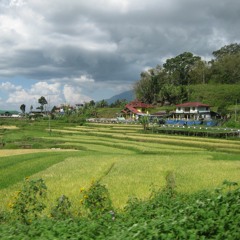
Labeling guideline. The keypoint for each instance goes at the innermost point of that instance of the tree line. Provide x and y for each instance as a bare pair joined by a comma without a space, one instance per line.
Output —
170,82
42,101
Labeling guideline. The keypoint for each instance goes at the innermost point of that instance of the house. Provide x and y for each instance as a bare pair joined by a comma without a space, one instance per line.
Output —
63,108
192,110
135,109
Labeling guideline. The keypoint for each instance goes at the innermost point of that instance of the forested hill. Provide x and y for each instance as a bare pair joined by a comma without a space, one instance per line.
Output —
188,77
128,96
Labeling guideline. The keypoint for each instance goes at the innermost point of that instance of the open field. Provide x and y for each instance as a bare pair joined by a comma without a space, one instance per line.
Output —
128,161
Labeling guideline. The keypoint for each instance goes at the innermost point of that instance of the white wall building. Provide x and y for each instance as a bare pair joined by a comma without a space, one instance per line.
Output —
193,110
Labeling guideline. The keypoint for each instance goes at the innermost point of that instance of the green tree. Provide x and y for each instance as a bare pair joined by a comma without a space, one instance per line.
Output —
180,67
144,120
200,73
226,69
92,103
23,108
101,104
42,101
149,85
231,49
173,94
119,103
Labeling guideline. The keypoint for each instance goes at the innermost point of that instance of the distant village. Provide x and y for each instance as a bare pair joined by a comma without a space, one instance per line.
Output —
188,113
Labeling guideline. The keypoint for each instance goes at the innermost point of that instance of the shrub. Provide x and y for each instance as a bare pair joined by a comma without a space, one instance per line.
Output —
28,203
62,209
96,199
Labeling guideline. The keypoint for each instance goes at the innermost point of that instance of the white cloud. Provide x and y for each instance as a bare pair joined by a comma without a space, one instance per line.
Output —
7,86
74,95
20,96
45,89
83,79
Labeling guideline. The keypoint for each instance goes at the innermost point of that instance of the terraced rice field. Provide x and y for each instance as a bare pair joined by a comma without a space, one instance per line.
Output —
128,161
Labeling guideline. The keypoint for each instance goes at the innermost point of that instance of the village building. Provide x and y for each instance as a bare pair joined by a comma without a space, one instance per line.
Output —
193,113
135,109
193,110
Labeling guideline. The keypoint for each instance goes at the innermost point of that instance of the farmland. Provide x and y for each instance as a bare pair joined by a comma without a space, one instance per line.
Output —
136,160
128,161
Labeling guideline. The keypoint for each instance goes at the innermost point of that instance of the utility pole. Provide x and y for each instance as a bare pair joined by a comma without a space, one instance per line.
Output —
236,111
49,117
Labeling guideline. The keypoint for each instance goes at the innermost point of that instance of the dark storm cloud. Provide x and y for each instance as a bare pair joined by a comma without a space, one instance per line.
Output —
110,40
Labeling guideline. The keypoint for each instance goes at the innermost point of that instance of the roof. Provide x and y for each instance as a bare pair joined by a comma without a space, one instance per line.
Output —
138,104
132,109
161,113
193,104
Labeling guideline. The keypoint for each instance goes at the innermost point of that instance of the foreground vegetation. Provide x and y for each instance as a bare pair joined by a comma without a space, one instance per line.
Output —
112,181
164,215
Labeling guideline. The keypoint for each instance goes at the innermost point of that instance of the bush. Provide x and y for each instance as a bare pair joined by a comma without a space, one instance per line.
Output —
203,215
28,203
62,209
96,199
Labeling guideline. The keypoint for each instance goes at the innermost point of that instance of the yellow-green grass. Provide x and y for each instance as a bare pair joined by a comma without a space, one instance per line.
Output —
105,144
133,175
116,159
214,144
11,152
8,127
14,168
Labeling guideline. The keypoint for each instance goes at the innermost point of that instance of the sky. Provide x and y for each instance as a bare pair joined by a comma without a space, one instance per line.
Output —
75,51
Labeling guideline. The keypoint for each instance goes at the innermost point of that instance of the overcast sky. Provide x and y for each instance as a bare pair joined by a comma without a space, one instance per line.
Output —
78,50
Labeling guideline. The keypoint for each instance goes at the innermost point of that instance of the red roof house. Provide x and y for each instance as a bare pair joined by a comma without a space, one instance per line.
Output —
196,110
135,107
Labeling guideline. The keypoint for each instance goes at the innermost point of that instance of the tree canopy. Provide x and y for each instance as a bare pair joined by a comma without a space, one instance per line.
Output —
179,67
42,101
167,83
23,108
227,50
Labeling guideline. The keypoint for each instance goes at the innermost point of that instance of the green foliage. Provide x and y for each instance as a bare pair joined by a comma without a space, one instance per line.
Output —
179,68
232,123
148,87
170,183
74,118
203,215
215,94
119,103
227,50
144,120
160,84
42,101
226,70
96,199
23,108
62,209
28,204
101,104
173,94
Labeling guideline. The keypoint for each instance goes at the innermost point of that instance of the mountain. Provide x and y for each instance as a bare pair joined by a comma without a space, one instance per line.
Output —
128,95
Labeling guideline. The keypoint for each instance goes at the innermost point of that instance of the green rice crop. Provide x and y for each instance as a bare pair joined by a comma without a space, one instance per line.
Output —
137,161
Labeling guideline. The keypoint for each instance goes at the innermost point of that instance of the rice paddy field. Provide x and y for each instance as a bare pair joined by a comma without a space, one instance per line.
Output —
128,161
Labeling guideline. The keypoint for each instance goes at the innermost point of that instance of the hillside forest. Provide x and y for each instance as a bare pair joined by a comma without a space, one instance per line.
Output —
188,77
